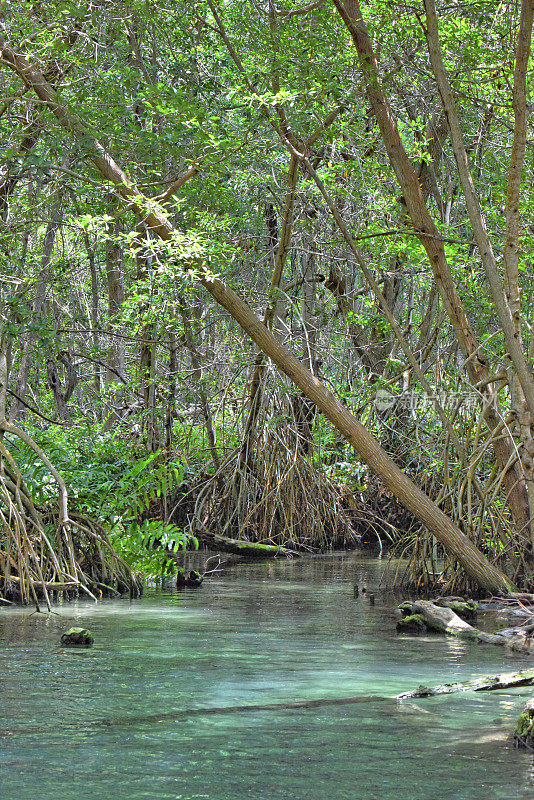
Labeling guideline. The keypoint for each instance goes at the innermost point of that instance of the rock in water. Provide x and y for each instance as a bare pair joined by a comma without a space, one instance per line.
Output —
414,623
77,637
191,580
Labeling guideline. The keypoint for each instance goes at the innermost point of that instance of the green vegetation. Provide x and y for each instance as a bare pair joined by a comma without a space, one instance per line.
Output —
363,178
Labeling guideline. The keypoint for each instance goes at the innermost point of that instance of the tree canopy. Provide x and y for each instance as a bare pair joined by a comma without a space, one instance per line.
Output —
226,225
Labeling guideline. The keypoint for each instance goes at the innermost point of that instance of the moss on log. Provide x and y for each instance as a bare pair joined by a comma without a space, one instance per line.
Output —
466,609
252,549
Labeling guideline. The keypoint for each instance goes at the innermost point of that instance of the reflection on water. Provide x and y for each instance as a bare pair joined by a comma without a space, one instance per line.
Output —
109,722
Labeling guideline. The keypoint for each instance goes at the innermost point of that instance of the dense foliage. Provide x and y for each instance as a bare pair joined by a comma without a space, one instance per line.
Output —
252,129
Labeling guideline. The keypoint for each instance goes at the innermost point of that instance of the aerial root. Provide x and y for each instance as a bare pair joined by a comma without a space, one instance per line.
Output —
44,556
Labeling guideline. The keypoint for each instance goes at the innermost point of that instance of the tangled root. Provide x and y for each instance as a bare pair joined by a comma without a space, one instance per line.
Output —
46,553
279,497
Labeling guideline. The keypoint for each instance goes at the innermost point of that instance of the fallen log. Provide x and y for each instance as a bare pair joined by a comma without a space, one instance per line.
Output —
51,586
486,683
251,549
445,620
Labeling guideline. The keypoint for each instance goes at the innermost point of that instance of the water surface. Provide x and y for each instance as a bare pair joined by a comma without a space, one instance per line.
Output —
114,722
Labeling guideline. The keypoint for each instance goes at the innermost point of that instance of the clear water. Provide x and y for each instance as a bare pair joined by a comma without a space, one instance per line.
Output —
115,722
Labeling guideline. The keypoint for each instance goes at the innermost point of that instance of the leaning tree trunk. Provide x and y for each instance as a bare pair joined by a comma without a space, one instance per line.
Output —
457,543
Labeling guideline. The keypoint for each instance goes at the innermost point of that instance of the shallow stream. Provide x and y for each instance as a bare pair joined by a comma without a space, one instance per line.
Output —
124,719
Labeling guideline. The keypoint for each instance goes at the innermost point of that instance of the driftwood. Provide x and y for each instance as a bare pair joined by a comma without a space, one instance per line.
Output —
486,683
445,620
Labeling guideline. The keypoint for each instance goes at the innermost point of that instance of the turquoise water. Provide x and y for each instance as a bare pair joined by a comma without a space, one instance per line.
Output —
117,721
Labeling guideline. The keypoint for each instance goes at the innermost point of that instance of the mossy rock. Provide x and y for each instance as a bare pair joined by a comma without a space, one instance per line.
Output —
422,691
523,725
405,607
77,637
524,729
414,623
191,579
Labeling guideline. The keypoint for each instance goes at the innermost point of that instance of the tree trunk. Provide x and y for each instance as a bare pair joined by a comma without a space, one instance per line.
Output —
115,284
476,361
199,382
28,339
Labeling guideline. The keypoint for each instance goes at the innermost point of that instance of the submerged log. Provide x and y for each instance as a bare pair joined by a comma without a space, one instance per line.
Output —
134,587
486,683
